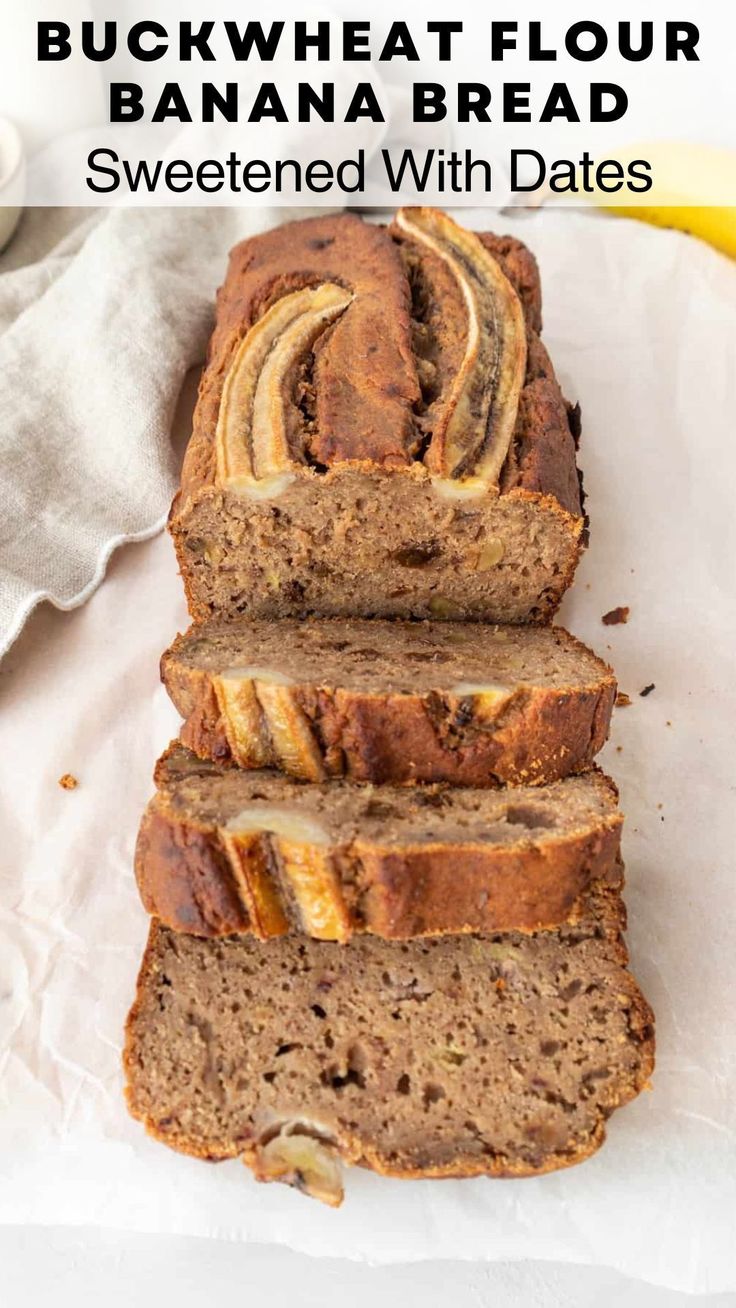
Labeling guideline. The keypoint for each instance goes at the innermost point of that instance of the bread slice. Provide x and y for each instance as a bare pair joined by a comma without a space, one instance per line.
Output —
458,1056
379,431
222,851
393,702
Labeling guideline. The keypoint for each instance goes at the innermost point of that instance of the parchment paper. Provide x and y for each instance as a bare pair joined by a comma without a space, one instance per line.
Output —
642,327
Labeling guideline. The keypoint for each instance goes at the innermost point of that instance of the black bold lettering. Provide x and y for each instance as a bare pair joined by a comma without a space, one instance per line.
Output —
125,102
147,54
242,43
109,43
617,110
681,39
473,98
428,102
399,42
646,42
503,37
190,40
445,32
171,104
323,102
572,41
304,39
559,104
355,41
213,100
516,102
53,42
364,104
536,50
267,104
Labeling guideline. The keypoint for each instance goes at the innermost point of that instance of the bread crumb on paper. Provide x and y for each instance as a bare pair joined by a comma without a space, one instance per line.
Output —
616,616
622,699
647,690
68,781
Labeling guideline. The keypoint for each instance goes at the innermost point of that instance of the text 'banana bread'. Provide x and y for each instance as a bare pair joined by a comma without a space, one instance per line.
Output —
222,851
459,1056
379,431
391,701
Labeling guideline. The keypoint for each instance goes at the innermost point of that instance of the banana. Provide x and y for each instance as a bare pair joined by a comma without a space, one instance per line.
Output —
472,433
694,191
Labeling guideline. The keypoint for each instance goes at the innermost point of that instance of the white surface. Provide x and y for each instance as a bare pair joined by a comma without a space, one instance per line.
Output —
641,325
43,98
87,1267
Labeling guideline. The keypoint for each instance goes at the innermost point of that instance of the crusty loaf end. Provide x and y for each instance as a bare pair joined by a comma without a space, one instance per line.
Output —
367,443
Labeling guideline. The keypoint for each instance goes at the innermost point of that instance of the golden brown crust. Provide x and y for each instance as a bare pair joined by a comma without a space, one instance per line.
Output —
538,734
357,1153
366,377
542,455
186,878
369,344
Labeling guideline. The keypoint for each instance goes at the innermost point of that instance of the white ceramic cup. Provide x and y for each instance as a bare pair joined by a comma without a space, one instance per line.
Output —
12,179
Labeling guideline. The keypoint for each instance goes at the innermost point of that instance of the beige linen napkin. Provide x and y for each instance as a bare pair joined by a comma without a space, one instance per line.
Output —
95,338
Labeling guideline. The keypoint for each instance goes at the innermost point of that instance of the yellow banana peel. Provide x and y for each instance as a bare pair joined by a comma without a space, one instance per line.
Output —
694,191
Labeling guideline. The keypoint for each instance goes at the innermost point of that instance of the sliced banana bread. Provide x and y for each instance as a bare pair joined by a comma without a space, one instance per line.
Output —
379,431
375,700
223,851
458,1056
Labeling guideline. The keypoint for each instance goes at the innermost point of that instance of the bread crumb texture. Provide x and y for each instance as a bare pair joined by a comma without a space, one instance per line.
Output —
501,1055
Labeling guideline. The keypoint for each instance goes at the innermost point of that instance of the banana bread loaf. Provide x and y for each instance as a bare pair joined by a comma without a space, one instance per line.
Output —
391,701
223,851
379,431
458,1056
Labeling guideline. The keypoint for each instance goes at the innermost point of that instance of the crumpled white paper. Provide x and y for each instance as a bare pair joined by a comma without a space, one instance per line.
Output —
641,324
